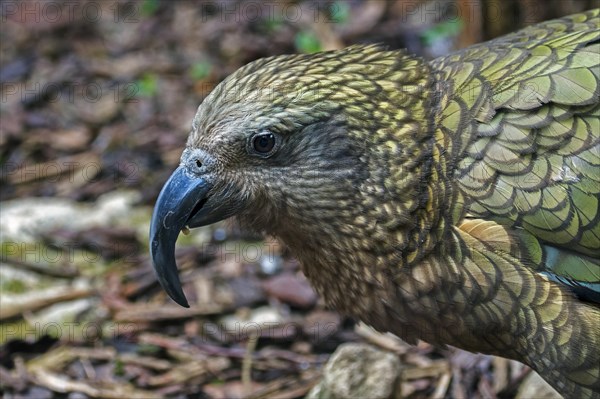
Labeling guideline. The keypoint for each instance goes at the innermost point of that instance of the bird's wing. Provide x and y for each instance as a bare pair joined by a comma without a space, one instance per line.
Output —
526,109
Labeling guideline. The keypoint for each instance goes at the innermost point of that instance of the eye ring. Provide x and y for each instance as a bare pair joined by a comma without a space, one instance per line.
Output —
263,144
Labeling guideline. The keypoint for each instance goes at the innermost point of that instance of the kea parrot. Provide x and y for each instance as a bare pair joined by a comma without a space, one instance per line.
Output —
455,200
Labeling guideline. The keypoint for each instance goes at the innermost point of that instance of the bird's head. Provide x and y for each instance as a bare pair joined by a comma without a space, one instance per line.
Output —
291,146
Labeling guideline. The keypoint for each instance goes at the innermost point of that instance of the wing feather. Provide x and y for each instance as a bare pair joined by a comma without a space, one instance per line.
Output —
532,160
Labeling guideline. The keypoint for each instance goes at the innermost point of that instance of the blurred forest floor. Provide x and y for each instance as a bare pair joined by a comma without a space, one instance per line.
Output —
97,102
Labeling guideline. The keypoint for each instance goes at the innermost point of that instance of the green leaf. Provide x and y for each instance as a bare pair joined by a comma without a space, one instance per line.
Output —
13,286
271,25
307,42
119,368
149,7
147,85
200,70
340,12
148,349
442,30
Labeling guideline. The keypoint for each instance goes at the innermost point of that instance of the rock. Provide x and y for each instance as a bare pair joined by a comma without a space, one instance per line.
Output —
358,371
292,289
320,325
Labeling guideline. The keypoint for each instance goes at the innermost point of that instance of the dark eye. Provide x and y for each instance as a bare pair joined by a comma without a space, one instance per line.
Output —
263,143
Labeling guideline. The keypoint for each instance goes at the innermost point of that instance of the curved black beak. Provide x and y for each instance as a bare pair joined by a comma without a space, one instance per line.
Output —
180,203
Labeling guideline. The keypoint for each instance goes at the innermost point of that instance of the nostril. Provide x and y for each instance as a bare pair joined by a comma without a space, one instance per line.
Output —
197,160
